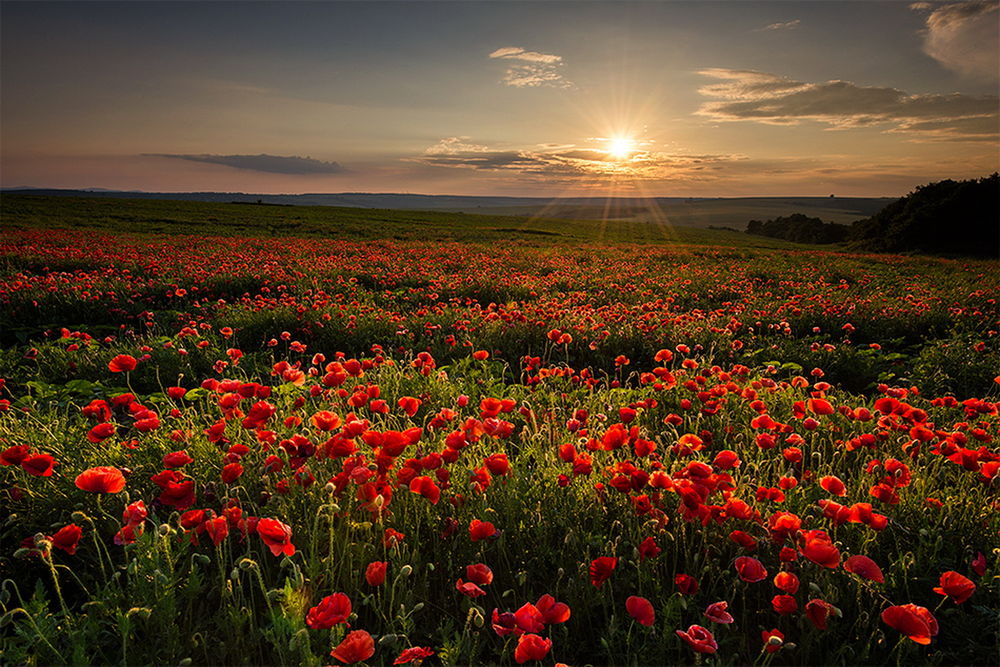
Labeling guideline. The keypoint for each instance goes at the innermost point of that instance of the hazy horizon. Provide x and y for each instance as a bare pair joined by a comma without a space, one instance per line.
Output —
512,99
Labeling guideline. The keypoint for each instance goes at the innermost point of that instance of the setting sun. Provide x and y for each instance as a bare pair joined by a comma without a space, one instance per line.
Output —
620,148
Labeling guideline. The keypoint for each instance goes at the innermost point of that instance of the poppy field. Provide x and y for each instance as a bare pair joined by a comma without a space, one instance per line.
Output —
282,450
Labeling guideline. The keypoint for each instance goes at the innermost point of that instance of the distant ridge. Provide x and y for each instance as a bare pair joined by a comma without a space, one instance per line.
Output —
733,212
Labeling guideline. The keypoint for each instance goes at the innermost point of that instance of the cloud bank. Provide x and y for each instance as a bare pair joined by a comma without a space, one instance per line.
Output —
746,95
530,69
963,36
271,164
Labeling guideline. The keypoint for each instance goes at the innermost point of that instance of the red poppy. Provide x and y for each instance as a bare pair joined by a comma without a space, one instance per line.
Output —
357,646
784,604
915,622
979,564
277,536
529,618
417,653
699,639
217,529
601,568
686,584
773,640
123,363
641,610
67,538
12,456
716,612
819,548
480,530
818,611
552,611
479,574
409,405
531,647
833,485
231,472
787,582
38,465
426,487
864,567
101,432
750,569
649,549
176,459
469,589
955,586
331,610
102,479
375,573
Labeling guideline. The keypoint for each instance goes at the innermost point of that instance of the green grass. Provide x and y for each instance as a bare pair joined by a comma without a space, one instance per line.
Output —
140,216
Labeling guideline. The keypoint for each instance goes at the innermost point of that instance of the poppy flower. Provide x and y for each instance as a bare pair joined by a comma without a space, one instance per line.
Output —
504,624
955,586
12,456
469,589
979,564
331,610
529,618
819,548
480,530
864,567
67,538
699,639
375,573
426,487
176,459
784,604
773,640
833,485
417,653
358,645
716,612
750,569
231,472
648,549
479,574
123,363
102,479
641,610
914,621
531,647
38,465
552,611
217,529
787,582
686,584
277,536
101,432
818,611
601,568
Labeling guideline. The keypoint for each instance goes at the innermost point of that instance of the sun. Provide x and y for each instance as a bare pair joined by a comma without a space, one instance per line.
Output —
620,148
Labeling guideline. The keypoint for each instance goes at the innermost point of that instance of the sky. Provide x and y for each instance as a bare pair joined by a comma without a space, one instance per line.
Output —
547,99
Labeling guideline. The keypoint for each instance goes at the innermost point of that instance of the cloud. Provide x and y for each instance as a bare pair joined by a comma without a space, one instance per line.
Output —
787,25
271,164
963,36
746,95
578,165
531,69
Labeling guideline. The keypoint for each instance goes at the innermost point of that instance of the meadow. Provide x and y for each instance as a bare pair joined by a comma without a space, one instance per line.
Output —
241,434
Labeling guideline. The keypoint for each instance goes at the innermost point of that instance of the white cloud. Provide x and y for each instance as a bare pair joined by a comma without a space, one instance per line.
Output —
531,69
787,25
963,36
746,95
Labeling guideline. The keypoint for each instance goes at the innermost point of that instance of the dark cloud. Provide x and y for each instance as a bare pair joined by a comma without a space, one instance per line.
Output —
271,164
767,98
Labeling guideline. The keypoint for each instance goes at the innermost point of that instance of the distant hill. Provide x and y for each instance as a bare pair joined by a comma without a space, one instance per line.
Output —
702,212
943,218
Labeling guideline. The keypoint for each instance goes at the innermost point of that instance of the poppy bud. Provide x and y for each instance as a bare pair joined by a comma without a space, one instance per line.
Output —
405,571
